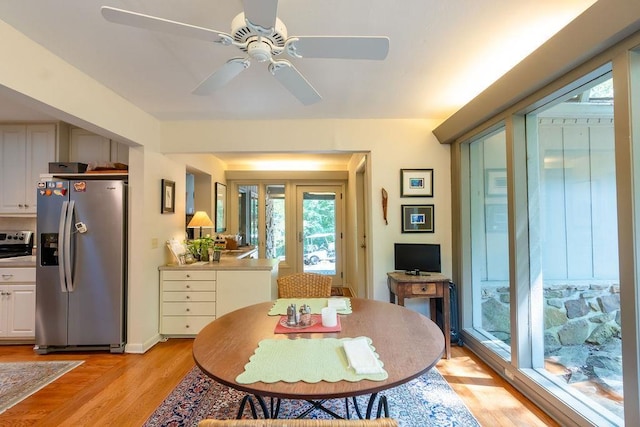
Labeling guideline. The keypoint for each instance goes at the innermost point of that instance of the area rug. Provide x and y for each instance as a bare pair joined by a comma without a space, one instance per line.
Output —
19,380
426,401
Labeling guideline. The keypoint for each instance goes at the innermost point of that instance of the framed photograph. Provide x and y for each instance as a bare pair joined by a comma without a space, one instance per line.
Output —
168,196
417,219
496,182
221,203
416,182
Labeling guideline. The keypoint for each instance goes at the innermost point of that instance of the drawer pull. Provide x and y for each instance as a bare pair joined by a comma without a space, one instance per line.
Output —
188,276
424,289
188,297
188,309
188,287
7,276
187,326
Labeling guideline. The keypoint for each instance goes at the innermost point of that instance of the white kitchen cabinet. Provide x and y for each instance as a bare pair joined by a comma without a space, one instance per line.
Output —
241,288
192,297
25,153
188,301
17,304
88,147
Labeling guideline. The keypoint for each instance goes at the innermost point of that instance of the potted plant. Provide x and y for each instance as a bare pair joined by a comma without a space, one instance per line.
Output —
199,248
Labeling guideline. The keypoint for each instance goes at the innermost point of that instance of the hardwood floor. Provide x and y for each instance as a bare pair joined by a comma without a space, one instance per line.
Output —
123,390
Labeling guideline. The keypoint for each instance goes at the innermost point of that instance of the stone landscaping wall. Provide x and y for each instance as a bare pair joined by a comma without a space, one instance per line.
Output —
575,312
581,334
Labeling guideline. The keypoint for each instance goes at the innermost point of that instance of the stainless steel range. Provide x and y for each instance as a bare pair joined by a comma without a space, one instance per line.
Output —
15,243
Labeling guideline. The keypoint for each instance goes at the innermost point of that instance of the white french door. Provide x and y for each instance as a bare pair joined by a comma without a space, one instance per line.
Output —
319,213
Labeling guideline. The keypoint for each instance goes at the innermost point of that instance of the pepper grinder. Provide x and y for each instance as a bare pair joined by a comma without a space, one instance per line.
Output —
291,315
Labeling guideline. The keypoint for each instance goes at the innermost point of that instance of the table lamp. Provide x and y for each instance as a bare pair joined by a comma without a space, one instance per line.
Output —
199,220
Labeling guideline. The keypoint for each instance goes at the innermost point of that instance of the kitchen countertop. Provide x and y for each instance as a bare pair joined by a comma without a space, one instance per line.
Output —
228,263
18,262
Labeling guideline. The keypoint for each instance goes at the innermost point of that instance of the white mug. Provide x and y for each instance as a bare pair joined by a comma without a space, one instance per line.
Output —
329,317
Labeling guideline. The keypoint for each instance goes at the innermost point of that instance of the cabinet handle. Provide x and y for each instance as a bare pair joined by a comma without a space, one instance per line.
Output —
188,297
188,276
187,326
7,276
188,287
188,310
424,289
20,205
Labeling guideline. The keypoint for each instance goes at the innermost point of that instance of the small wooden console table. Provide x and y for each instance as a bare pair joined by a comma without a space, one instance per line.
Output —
426,285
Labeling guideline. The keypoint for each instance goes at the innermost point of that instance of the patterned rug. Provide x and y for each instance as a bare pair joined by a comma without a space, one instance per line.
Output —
20,380
426,401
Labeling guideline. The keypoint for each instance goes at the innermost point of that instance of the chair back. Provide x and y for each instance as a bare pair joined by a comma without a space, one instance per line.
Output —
304,285
379,422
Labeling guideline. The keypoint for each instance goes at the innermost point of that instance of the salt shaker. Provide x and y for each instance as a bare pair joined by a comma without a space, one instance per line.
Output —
305,315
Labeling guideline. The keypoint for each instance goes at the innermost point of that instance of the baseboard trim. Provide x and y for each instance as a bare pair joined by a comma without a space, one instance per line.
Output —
140,348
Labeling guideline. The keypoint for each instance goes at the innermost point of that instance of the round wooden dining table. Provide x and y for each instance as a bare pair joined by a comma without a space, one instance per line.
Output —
408,344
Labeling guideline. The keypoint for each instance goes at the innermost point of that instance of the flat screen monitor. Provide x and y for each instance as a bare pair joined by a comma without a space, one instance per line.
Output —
412,257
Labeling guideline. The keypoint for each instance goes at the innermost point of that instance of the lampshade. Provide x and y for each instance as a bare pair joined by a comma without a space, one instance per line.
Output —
199,220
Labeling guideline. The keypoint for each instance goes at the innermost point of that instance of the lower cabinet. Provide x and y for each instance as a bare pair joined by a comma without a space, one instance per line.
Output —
192,298
188,301
237,289
17,304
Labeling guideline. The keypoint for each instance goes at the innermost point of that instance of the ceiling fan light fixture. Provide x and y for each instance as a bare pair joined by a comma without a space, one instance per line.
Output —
260,50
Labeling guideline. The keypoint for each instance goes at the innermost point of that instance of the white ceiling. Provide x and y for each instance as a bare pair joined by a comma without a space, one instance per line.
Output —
442,53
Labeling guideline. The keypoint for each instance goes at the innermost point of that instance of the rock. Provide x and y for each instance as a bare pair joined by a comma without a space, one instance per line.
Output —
495,316
609,303
574,332
603,333
555,302
576,308
601,318
554,317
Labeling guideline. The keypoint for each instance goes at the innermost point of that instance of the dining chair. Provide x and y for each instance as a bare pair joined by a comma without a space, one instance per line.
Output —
304,285
378,422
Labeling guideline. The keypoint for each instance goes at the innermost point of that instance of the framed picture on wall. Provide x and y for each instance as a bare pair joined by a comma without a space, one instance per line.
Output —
417,219
221,206
416,182
168,193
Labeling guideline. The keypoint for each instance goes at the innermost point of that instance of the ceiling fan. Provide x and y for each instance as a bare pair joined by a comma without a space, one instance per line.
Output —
263,37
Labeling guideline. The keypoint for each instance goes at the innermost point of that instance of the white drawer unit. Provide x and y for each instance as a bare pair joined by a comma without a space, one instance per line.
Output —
188,301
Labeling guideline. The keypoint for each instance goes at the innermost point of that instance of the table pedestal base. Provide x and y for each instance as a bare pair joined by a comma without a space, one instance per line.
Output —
273,411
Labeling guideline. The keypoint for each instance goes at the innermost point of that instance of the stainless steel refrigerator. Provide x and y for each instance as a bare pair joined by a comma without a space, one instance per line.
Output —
81,265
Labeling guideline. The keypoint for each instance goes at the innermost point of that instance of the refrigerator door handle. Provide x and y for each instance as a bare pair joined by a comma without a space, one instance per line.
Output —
61,249
67,246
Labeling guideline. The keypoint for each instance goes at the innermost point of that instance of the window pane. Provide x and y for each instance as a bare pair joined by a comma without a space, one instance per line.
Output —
571,177
489,238
275,222
319,221
248,213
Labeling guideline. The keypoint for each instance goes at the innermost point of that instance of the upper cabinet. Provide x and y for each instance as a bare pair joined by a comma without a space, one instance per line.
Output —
25,153
87,147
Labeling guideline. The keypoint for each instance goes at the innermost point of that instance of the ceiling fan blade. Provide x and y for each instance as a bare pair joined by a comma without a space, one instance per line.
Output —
261,12
295,82
222,76
147,22
341,47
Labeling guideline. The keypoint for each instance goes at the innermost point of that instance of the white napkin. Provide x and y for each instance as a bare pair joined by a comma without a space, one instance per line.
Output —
337,303
361,357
